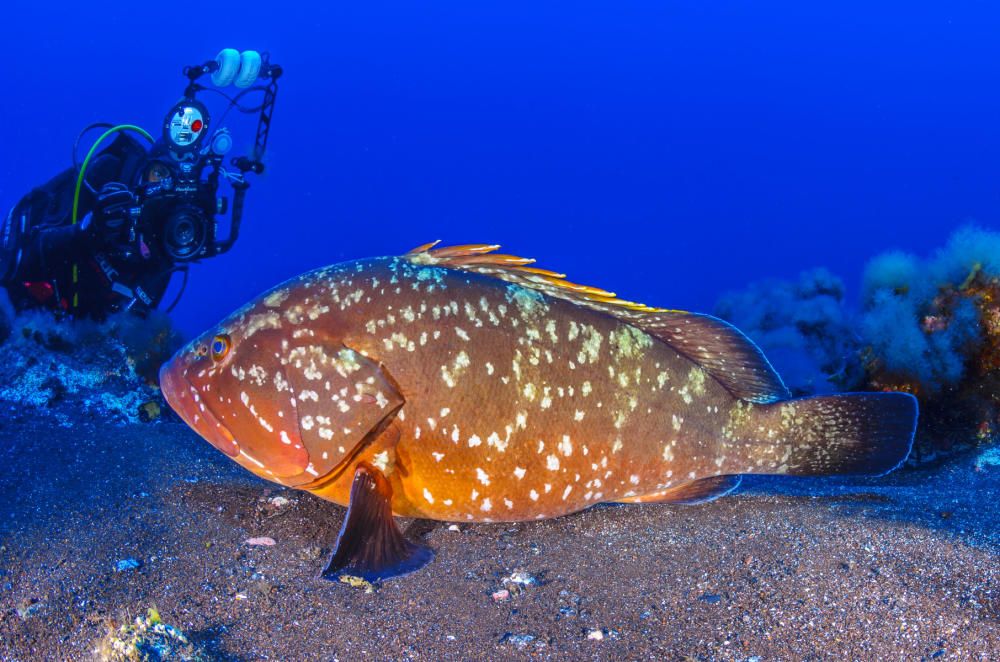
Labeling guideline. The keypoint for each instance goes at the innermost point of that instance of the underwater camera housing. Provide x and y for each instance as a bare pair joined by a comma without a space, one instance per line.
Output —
109,233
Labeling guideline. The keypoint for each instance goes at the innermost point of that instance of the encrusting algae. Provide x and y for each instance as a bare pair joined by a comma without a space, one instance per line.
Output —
461,384
147,639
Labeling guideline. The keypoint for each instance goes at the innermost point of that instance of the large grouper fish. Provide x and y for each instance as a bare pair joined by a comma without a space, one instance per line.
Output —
459,384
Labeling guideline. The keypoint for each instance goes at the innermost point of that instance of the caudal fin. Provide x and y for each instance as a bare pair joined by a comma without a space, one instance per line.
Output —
851,433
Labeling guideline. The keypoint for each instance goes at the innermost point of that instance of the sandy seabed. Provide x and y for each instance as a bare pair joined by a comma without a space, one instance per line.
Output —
905,567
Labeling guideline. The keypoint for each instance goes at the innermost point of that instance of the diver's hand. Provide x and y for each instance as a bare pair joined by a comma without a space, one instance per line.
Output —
110,219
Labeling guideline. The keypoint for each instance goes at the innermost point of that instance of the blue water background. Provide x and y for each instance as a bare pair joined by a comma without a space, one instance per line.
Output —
669,151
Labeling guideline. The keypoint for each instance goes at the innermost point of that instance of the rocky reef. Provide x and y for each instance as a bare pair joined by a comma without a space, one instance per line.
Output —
803,327
927,326
68,370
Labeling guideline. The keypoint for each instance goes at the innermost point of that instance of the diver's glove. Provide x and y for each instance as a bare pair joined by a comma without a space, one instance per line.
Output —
110,219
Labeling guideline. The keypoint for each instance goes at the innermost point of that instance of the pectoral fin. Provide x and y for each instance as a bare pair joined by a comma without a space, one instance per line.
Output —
695,491
370,544
340,397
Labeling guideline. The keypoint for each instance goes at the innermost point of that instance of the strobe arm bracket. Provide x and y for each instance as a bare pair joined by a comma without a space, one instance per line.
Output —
196,71
273,73
254,161
239,196
246,164
240,186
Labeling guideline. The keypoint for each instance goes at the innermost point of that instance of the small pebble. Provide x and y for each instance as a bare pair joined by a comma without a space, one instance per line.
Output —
278,501
595,635
454,527
263,540
501,595
127,564
310,553
519,640
521,577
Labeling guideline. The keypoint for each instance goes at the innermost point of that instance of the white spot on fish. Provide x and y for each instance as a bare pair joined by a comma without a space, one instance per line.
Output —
483,477
495,441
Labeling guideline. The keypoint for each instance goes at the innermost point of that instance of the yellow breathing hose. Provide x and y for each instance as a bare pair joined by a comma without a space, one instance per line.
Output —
79,185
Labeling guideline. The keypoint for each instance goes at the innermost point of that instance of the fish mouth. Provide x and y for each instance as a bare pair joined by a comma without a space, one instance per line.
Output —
185,400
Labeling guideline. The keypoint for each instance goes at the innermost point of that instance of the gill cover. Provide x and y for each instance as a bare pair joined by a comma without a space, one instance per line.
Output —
341,398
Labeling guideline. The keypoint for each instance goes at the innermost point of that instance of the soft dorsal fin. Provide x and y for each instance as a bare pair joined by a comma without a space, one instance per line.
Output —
722,350
719,348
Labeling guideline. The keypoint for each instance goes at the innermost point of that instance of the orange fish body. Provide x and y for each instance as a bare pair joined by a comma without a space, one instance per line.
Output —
486,390
519,406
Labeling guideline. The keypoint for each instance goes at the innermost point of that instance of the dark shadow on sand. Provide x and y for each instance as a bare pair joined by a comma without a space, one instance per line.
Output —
951,496
209,643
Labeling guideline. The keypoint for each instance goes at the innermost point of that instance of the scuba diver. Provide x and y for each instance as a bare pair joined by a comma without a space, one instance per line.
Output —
109,233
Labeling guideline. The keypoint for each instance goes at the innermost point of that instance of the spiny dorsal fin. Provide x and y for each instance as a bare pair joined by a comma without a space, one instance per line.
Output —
718,347
482,259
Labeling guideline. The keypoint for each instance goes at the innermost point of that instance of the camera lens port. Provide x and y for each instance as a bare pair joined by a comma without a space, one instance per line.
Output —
184,233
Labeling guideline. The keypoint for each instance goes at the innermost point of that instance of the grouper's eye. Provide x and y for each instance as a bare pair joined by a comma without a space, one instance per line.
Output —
221,345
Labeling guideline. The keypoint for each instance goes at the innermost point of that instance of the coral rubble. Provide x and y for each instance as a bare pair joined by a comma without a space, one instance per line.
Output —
932,328
147,639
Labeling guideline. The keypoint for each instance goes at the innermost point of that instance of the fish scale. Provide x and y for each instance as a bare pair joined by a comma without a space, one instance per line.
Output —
461,384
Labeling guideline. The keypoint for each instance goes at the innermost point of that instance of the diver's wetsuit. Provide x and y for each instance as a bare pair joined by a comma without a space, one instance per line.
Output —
40,247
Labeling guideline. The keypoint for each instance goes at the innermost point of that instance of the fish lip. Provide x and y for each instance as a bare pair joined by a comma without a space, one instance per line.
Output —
177,389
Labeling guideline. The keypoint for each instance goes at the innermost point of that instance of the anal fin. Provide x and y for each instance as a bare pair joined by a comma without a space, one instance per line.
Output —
690,493
370,544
